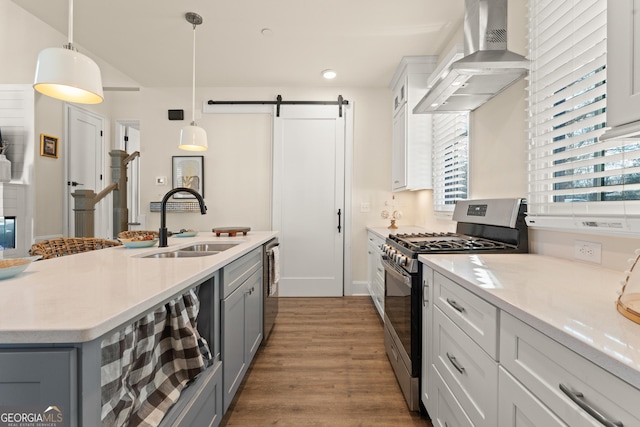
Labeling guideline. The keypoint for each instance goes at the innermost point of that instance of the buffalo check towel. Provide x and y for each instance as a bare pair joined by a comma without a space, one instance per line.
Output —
146,365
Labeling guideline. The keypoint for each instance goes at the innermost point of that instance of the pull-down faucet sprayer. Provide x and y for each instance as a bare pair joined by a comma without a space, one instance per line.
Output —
162,239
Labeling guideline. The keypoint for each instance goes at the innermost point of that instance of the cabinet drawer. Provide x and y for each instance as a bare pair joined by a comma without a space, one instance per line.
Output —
236,272
200,404
470,374
543,366
448,412
517,407
375,239
476,317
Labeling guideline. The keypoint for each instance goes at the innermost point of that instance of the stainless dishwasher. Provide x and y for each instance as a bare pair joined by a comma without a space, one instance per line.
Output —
269,287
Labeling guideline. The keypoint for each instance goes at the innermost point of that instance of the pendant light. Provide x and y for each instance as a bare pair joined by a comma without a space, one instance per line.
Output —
193,137
66,74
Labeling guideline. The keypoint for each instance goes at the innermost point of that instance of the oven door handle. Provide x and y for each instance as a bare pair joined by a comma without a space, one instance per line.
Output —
406,279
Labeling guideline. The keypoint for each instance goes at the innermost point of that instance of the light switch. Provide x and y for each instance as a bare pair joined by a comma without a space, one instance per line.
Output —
161,180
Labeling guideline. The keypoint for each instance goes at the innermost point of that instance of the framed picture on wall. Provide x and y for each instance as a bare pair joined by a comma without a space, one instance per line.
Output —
188,171
48,146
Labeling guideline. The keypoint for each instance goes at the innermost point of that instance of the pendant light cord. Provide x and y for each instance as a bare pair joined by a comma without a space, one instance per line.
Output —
70,23
193,87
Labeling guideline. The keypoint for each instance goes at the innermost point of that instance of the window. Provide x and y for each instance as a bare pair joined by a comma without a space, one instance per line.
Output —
450,159
572,174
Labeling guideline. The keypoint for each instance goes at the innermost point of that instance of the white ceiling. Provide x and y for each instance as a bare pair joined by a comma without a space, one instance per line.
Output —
151,42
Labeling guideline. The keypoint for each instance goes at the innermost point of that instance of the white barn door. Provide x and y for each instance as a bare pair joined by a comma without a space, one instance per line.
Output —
308,199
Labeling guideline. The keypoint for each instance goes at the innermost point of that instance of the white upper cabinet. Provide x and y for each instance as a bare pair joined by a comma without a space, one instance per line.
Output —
623,68
411,151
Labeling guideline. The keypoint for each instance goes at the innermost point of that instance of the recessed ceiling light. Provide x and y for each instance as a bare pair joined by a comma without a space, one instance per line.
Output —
329,74
267,32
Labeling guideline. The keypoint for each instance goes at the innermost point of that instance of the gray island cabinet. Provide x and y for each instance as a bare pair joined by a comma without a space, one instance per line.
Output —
55,316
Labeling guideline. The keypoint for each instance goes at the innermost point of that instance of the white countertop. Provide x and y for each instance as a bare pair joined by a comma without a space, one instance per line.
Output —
571,302
81,297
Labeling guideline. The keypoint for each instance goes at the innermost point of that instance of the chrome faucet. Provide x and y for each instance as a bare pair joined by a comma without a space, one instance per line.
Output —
162,239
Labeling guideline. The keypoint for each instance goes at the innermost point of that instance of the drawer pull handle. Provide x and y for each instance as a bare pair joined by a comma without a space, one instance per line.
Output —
455,305
578,398
455,363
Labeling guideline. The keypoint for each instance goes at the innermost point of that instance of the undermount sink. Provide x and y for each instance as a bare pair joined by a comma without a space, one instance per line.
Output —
196,250
209,247
181,254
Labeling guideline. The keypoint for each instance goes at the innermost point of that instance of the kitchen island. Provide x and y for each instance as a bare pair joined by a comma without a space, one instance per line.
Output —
60,310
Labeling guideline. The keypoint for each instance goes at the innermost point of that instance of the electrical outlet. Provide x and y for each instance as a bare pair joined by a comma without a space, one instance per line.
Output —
588,251
365,207
161,180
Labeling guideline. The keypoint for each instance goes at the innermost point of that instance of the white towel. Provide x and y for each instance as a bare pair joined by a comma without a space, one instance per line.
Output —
275,270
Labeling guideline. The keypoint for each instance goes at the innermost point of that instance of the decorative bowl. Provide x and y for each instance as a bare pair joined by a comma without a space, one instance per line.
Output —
13,266
186,233
136,243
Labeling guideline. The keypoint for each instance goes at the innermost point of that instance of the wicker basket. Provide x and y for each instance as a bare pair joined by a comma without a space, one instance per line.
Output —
69,245
134,233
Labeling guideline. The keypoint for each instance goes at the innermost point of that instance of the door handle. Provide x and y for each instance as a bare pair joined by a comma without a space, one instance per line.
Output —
73,183
339,220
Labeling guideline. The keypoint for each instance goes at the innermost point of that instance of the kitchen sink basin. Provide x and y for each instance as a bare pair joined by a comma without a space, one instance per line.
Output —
197,250
209,247
181,254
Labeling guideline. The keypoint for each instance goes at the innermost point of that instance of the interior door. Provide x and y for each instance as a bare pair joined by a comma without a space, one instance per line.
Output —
133,174
84,154
308,209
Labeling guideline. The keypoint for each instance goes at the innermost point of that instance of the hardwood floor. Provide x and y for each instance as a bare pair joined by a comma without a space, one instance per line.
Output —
324,365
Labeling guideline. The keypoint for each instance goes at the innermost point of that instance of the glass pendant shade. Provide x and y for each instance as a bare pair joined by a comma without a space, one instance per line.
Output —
68,75
193,138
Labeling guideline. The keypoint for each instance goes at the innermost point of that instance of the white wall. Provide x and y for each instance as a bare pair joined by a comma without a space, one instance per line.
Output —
238,162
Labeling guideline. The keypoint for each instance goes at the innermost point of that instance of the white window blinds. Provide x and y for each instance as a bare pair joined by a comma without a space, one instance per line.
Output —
575,180
450,159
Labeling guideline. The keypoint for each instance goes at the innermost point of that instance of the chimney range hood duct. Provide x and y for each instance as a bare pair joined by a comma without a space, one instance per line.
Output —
487,67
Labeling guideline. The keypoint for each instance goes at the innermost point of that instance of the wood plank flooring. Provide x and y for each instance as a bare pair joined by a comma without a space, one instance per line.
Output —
324,365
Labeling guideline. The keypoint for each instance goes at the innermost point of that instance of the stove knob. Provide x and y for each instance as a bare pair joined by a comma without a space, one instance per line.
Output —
403,260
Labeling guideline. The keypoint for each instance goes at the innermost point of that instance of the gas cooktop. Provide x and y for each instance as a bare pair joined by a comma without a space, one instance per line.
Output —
423,243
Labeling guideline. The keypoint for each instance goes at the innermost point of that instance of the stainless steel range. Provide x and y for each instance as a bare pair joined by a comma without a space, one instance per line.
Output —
483,226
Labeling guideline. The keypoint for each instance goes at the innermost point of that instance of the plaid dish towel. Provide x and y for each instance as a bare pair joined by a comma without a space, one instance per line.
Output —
147,364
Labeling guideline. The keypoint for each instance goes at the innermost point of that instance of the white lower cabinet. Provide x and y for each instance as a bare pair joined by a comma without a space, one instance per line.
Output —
447,410
517,407
469,372
576,390
427,384
375,276
532,381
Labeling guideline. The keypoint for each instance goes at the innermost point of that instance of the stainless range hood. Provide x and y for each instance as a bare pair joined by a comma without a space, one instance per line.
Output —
487,67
